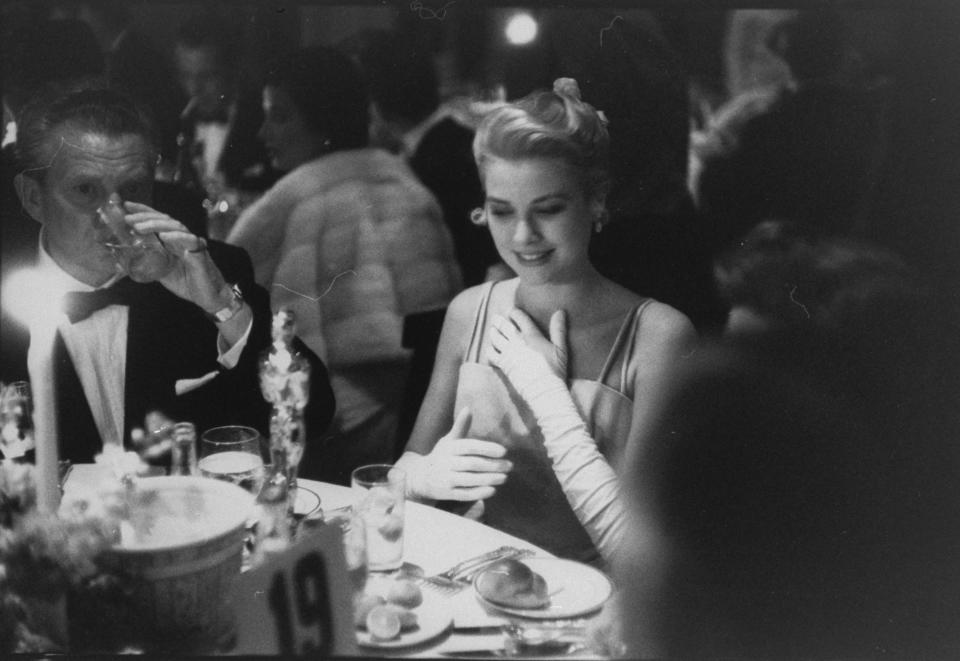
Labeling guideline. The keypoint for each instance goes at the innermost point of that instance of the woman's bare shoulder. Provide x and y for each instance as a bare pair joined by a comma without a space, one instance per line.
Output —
662,324
464,305
458,322
657,319
617,300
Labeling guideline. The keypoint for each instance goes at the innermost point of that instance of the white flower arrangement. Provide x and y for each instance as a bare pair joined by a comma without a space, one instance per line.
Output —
43,558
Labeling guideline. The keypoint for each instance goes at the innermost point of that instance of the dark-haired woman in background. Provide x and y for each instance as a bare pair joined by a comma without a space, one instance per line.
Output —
350,240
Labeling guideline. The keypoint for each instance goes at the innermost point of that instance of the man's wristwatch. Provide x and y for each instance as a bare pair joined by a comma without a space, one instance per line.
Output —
230,310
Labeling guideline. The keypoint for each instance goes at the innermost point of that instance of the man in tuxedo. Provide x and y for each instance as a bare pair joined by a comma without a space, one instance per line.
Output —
219,124
185,345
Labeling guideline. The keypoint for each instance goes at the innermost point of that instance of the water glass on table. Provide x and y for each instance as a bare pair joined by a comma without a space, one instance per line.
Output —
379,494
232,454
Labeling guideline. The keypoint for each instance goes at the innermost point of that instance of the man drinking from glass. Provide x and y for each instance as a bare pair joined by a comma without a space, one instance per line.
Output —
128,312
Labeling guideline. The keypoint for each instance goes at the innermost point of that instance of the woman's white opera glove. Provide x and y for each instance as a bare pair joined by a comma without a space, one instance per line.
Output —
537,368
458,468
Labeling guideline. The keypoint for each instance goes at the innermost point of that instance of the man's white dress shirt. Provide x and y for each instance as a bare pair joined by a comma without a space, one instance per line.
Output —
213,137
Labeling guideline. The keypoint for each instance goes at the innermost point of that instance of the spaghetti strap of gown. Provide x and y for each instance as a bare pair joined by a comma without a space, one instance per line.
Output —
623,344
479,323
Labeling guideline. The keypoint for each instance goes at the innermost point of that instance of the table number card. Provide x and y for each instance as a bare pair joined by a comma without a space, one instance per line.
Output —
298,602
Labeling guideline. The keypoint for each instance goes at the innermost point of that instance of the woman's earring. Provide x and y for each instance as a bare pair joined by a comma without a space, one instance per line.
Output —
602,217
478,216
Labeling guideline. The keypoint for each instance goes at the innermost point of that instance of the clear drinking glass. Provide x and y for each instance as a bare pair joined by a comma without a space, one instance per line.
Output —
16,419
379,505
232,454
140,256
184,451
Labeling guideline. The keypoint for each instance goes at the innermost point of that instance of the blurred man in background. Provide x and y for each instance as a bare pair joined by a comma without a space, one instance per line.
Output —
218,145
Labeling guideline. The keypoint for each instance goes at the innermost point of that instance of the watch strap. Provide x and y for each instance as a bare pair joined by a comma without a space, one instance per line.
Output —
230,310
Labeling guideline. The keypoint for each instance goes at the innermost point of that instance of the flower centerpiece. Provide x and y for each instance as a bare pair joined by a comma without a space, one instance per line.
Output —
55,595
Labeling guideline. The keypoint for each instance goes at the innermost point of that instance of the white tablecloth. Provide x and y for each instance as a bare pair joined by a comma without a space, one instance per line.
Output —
435,540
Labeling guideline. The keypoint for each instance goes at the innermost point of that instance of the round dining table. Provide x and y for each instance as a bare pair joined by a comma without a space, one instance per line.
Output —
435,540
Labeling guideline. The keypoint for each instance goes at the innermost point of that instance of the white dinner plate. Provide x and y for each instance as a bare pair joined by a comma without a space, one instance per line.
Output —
575,588
307,501
434,616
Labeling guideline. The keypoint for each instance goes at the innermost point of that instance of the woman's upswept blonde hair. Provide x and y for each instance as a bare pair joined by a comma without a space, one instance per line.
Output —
549,124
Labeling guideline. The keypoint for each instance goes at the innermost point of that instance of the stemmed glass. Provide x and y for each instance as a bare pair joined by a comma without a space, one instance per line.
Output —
232,454
16,419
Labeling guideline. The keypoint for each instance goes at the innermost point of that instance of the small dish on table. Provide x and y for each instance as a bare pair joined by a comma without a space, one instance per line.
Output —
433,618
573,588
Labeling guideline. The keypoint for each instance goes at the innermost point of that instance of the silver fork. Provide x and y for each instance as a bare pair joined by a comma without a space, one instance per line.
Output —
454,579
466,577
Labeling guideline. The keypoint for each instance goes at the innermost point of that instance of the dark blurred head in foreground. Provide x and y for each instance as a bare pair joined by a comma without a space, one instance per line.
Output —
798,495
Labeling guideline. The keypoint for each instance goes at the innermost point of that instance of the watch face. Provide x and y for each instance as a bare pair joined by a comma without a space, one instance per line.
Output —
236,303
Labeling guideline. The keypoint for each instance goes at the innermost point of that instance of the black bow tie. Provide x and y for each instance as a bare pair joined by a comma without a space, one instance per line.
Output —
79,305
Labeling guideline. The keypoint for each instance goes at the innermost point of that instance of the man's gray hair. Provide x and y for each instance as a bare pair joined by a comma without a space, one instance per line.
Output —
104,111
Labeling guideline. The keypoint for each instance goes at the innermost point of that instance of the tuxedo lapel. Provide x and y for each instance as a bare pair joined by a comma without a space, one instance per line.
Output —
14,342
79,438
147,383
166,338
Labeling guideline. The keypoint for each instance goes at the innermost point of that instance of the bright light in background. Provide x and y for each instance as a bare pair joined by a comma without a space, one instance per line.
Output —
28,298
521,29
